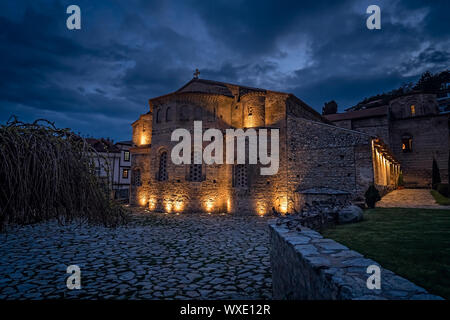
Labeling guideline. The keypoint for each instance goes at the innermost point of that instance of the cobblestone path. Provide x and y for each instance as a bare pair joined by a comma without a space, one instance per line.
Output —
156,256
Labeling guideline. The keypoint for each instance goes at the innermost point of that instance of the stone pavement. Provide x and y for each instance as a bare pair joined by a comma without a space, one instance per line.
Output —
410,198
156,256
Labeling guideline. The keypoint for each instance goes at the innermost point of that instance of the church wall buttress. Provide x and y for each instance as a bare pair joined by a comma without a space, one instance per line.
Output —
140,159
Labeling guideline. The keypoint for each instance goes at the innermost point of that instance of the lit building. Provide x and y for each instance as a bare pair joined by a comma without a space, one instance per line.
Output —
312,152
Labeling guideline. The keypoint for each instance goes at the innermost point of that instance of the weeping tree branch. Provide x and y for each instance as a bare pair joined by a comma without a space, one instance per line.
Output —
49,173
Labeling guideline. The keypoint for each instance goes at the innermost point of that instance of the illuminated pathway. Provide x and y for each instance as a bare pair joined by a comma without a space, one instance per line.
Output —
410,198
156,256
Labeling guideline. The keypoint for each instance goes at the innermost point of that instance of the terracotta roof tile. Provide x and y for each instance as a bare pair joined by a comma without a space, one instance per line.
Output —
366,113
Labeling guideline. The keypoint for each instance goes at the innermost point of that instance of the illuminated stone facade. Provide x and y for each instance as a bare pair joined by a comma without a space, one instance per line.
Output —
412,126
313,152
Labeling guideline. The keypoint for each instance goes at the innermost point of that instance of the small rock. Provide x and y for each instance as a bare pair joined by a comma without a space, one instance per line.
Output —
350,214
127,276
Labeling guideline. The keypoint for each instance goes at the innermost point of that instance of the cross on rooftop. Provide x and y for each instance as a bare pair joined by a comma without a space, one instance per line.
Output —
196,74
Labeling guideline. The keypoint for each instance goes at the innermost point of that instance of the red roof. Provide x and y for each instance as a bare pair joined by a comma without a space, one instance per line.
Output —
366,113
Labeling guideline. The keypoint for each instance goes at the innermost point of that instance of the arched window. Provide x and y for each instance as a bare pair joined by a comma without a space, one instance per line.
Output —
198,113
184,111
158,116
212,114
407,143
162,173
240,179
413,110
195,170
250,110
168,115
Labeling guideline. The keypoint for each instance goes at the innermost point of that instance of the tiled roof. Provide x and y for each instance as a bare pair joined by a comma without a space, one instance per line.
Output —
366,113
102,145
212,87
125,142
215,87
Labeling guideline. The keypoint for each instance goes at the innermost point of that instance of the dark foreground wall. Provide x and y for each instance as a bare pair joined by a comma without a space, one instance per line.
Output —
306,266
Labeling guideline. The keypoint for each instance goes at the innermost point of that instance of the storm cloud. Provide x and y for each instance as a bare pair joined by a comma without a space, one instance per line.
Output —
98,80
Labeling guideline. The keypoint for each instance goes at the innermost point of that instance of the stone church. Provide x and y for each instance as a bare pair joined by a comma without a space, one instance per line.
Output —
314,153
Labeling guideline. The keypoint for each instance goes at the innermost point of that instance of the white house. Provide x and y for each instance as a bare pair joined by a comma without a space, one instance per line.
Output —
118,164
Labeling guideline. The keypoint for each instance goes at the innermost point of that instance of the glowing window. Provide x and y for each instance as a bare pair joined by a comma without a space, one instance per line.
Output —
406,143
125,174
413,110
126,156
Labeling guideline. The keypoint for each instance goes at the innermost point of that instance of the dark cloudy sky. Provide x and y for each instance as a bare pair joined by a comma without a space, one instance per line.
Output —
98,80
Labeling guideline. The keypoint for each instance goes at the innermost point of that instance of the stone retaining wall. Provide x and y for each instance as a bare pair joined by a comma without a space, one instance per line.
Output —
306,266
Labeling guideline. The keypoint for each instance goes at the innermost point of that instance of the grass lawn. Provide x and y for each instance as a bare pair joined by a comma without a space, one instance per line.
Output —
440,199
414,243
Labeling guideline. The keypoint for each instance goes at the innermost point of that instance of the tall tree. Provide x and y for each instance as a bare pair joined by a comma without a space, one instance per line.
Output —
448,170
431,83
330,107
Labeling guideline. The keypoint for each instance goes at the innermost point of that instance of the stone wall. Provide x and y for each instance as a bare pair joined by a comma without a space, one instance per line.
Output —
424,104
215,192
322,155
139,190
140,159
177,193
430,138
417,116
254,109
142,130
375,127
306,266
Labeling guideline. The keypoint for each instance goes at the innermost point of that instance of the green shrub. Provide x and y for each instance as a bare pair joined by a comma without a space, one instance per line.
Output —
372,196
440,199
448,168
400,181
435,175
442,188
